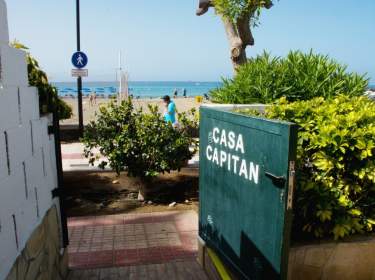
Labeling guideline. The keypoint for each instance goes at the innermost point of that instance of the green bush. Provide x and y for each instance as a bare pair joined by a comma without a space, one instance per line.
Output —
48,95
142,144
299,76
335,193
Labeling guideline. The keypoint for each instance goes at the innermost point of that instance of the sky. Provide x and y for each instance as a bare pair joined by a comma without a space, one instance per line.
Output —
165,41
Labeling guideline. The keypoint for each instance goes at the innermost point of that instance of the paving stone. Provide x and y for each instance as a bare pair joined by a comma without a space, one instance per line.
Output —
22,266
12,274
135,246
44,276
147,239
63,266
307,272
299,255
174,270
41,258
351,262
33,247
316,257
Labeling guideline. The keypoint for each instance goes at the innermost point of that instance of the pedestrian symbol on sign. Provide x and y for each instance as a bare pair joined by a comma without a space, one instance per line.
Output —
79,60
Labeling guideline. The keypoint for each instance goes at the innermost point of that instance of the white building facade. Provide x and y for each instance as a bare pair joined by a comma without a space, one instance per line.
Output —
30,231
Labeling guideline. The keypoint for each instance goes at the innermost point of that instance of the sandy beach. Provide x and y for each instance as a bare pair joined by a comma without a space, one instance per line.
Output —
182,104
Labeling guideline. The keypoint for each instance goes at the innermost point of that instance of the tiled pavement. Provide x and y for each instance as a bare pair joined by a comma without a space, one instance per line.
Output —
175,270
74,160
135,245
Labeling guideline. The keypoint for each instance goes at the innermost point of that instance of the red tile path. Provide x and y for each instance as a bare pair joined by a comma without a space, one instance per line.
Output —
180,270
132,239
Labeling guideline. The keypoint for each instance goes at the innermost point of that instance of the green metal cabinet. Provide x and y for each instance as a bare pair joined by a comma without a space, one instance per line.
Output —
246,191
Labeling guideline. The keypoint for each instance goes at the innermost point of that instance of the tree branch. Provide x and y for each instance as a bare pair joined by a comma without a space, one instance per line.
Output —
244,31
204,5
268,4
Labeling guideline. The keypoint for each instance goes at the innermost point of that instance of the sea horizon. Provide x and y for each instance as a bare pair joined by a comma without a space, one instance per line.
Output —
143,89
138,88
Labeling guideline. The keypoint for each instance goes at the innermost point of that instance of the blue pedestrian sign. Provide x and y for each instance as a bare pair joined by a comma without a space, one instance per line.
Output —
79,60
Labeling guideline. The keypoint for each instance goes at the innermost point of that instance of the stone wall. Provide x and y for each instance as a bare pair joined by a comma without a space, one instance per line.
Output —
41,259
351,260
28,171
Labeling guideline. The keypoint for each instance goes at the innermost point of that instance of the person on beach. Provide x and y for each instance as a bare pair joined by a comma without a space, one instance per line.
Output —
175,93
170,112
91,100
184,93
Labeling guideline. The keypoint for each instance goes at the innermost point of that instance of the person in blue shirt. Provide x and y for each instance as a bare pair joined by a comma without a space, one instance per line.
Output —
170,113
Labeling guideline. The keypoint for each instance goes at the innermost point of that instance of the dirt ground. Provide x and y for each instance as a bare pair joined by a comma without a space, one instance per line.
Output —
104,193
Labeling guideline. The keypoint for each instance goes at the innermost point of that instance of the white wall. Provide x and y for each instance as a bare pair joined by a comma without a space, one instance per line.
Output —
27,155
4,36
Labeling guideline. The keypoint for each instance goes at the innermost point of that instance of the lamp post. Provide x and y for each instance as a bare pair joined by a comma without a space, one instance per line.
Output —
79,79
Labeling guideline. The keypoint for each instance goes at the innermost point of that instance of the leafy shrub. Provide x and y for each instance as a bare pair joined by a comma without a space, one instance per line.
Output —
142,144
335,192
48,95
299,76
236,9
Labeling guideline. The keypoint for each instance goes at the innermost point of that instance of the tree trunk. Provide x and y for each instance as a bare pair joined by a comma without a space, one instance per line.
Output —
236,44
146,184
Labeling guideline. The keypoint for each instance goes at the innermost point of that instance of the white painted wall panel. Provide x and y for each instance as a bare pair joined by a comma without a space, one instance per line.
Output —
25,193
8,252
12,192
39,132
27,221
45,200
8,108
29,102
13,67
34,170
4,32
3,160
50,164
19,142
15,232
52,156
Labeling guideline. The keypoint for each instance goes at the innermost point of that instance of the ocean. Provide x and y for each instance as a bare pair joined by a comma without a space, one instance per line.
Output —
141,89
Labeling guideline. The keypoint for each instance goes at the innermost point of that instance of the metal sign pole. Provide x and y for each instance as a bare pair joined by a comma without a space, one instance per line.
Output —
59,191
79,79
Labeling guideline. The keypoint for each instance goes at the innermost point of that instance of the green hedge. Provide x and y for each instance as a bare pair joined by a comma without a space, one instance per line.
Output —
298,76
335,194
